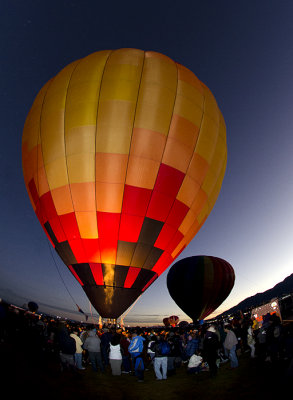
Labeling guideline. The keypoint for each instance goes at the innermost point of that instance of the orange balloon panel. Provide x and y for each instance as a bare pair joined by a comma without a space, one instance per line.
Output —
124,153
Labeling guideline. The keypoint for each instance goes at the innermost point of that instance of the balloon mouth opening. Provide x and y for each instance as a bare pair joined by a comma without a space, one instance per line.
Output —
111,302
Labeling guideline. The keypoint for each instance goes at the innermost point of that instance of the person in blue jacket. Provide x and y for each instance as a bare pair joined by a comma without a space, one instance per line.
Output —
135,349
192,345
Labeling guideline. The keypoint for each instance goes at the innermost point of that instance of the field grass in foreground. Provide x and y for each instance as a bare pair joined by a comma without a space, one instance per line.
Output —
250,380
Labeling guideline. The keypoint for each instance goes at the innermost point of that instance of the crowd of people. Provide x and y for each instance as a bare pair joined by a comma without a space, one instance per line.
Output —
111,349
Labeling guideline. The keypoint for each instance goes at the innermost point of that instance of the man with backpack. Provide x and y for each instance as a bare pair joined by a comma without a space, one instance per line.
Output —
161,348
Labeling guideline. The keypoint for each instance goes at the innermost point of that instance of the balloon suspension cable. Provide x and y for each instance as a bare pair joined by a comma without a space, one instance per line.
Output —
124,315
91,313
61,276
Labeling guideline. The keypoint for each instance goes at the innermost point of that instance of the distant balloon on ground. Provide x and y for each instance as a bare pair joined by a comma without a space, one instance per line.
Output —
166,321
32,306
173,320
183,324
200,284
124,154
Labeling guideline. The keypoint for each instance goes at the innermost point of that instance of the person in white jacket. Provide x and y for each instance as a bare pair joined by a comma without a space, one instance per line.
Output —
115,356
194,364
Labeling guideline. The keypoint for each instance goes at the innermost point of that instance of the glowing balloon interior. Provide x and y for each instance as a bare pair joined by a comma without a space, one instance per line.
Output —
124,153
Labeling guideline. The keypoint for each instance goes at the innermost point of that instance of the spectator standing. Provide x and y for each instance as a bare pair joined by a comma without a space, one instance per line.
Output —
115,356
67,347
93,345
135,349
79,349
105,345
274,338
171,367
150,352
262,343
251,341
124,343
192,345
230,344
161,348
210,348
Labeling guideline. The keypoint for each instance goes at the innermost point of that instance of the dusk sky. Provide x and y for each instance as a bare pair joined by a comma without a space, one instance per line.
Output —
243,52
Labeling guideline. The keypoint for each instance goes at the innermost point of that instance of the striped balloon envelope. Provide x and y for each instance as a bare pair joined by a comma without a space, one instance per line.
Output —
124,153
173,320
200,284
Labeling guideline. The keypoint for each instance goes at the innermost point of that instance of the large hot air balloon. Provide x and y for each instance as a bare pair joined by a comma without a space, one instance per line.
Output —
200,284
166,321
124,153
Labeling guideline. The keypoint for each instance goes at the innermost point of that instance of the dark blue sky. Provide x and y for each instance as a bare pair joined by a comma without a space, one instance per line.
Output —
243,51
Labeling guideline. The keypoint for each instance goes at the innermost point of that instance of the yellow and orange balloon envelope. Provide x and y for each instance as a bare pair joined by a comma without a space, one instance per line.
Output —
124,153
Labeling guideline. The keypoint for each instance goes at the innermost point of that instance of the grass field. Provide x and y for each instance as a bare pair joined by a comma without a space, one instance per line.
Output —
251,380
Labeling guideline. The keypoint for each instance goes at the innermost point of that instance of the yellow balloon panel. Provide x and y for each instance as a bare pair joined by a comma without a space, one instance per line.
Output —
188,110
80,139
121,82
189,92
157,94
81,167
56,172
114,117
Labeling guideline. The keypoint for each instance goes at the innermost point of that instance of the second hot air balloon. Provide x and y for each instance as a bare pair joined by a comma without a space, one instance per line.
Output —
124,153
200,284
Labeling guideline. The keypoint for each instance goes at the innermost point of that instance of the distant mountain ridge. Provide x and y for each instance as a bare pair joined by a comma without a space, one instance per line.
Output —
280,289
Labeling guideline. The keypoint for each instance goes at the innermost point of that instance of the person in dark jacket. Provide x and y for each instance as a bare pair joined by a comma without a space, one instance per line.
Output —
105,345
171,368
67,347
210,349
124,342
